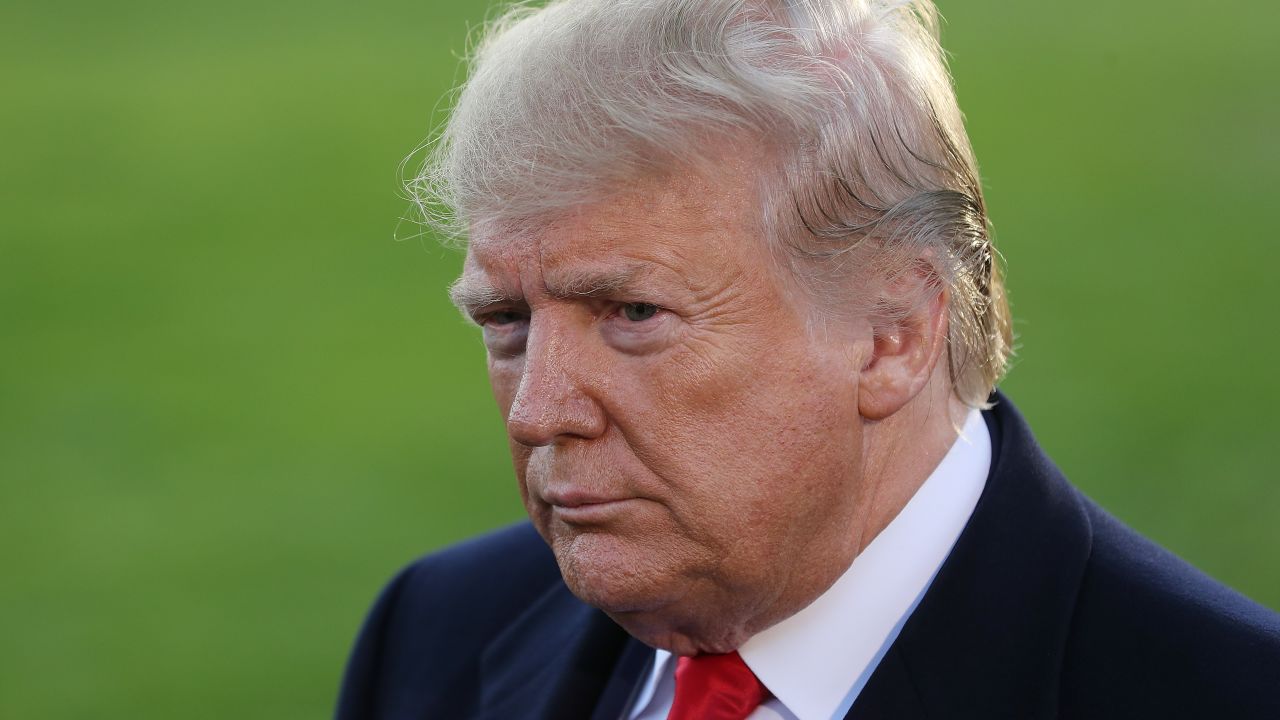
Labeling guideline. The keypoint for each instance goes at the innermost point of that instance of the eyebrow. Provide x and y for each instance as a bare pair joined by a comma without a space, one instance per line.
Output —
472,294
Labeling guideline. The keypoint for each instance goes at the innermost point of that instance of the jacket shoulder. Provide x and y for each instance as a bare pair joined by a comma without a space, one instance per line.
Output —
421,643
1153,636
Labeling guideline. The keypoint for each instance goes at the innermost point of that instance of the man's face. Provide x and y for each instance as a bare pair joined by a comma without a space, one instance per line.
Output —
690,452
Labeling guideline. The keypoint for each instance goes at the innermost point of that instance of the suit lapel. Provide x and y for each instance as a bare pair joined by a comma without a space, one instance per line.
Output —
889,693
560,660
987,639
624,682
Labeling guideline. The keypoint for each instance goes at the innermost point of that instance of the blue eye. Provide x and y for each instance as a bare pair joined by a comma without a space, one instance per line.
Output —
639,312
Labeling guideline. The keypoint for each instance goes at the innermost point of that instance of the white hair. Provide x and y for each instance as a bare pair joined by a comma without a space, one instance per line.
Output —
865,167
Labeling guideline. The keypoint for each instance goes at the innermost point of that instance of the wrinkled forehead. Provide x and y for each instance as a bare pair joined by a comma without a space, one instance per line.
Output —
666,215
696,231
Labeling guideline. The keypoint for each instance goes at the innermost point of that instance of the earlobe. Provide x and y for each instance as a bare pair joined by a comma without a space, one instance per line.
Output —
905,352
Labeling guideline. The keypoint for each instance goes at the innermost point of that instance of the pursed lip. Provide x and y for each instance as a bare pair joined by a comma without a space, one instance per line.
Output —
579,507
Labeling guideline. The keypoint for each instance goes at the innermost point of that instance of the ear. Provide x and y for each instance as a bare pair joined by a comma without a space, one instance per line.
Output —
908,342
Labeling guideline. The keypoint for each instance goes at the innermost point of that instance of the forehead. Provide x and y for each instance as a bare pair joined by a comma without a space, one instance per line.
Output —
685,224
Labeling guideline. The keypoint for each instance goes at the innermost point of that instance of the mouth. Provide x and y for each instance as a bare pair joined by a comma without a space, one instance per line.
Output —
576,508
597,513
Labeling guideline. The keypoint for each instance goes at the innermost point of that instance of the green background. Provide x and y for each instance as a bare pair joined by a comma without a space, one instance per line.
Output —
232,403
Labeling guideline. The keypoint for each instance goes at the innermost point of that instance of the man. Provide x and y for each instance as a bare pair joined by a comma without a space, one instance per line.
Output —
731,263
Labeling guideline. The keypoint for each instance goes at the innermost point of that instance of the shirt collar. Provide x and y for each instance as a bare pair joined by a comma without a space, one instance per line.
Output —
816,661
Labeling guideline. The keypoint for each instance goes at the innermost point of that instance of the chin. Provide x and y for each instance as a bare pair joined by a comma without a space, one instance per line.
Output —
613,574
645,592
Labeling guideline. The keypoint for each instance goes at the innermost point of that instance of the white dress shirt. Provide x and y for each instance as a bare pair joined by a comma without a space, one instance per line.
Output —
817,661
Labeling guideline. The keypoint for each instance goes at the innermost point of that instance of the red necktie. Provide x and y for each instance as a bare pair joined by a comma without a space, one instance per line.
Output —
715,687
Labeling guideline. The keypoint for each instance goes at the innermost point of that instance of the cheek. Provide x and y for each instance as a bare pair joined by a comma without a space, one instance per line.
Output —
538,512
743,434
504,381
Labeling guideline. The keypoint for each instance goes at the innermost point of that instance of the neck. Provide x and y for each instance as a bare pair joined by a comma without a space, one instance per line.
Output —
902,450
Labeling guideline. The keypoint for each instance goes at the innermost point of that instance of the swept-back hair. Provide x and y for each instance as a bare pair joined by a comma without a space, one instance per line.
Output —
866,175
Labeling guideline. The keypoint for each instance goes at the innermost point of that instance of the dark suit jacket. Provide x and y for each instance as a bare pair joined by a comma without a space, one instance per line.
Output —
1047,607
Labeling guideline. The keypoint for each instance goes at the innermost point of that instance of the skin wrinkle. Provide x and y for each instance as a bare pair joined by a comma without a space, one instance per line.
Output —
735,431
472,295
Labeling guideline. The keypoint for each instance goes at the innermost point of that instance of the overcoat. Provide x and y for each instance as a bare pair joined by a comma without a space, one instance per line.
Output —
1047,607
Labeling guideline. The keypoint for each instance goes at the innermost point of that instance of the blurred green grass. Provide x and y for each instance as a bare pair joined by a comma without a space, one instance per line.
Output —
231,403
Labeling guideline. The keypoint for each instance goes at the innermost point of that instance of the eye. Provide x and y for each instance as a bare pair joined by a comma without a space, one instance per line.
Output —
505,331
639,312
639,328
503,317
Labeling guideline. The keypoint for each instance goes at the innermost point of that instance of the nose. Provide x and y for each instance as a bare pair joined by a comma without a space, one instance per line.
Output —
553,401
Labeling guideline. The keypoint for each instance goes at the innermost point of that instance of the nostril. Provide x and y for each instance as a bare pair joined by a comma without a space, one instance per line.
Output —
542,415
529,430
